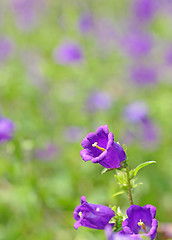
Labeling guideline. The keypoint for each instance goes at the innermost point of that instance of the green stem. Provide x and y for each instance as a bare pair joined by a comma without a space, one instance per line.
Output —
129,187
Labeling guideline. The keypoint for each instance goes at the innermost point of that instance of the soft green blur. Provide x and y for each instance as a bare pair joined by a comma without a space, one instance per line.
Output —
37,197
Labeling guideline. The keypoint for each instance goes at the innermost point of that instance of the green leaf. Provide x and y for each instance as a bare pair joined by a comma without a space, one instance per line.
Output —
134,172
118,193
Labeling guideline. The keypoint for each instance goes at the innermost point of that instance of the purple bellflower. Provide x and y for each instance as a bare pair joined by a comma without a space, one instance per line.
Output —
68,53
6,129
141,221
92,215
100,148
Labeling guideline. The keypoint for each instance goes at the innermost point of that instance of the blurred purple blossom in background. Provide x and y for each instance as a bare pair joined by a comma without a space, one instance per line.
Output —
73,133
6,48
168,56
27,13
98,100
145,130
136,111
144,10
86,23
47,153
6,129
137,44
68,53
150,133
144,75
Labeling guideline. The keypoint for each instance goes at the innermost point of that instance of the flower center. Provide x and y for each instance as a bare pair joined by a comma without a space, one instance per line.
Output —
100,148
141,224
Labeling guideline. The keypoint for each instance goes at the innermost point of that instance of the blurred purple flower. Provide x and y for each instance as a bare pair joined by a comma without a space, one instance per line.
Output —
27,13
6,129
135,112
144,129
86,23
137,44
141,221
98,100
149,133
68,53
6,48
92,215
73,133
144,75
144,10
47,153
168,57
128,137
100,148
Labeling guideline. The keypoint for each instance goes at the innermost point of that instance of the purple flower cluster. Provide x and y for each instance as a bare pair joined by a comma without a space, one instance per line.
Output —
100,148
140,222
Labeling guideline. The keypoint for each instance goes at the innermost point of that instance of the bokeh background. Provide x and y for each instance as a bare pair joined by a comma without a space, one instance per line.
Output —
67,67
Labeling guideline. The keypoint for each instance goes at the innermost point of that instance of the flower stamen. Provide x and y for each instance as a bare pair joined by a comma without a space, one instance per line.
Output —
80,214
100,148
141,224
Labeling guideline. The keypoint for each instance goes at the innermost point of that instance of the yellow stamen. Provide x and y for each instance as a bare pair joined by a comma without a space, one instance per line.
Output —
100,148
80,214
141,224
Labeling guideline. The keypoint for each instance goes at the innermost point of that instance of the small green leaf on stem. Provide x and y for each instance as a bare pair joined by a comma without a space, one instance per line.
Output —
134,172
118,193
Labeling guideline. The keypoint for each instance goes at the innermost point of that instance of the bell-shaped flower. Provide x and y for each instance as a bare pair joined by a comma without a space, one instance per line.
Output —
141,221
92,215
100,148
